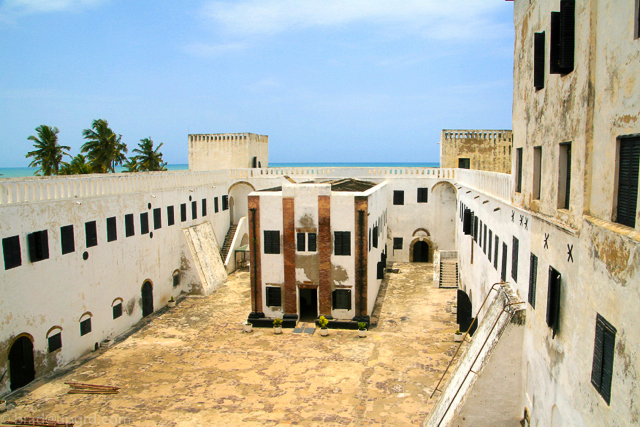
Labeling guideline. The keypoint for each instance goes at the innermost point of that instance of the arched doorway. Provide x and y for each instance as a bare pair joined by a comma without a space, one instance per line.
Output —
231,209
21,368
147,298
239,192
421,251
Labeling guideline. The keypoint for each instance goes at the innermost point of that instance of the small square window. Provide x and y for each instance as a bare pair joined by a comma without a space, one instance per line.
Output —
342,243
117,310
423,195
38,245
55,342
312,242
67,240
271,242
91,233
85,326
342,299
301,242
398,197
397,243
274,296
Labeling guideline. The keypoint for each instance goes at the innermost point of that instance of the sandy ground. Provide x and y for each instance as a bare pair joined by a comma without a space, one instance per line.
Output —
194,366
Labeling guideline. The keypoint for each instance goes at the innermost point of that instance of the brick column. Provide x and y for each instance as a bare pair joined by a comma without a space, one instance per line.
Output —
324,254
254,254
289,251
361,254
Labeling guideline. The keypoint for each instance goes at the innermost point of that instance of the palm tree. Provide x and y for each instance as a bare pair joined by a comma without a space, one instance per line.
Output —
131,165
148,159
48,154
77,166
104,149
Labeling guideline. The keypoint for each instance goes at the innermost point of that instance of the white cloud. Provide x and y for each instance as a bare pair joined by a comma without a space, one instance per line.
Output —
27,7
448,19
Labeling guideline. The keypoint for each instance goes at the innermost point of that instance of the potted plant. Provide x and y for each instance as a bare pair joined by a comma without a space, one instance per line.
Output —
454,308
362,329
458,336
171,303
3,405
323,322
277,326
247,326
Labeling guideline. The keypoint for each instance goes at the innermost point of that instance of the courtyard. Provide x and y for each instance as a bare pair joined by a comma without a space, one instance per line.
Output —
194,365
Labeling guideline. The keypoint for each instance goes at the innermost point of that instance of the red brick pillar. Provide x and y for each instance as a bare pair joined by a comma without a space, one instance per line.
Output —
361,254
324,254
289,251
254,254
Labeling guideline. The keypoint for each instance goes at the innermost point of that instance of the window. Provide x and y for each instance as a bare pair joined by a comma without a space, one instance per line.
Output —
398,197
215,205
91,234
603,350
375,236
564,183
397,243
157,218
183,212
274,296
423,195
533,279
484,240
117,310
538,60
55,342
301,242
129,230
637,20
112,231
38,245
490,241
553,300
464,163
518,170
175,278
204,207
628,165
342,243
194,210
85,326
503,273
563,38
480,235
475,228
66,239
467,224
312,242
170,217
144,223
225,202
495,254
342,299
537,171
271,242
379,270
514,259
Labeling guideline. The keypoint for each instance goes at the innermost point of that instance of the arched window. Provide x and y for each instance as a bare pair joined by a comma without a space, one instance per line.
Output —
54,338
85,323
116,307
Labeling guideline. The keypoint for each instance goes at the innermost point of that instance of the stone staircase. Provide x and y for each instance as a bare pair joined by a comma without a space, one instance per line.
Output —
448,273
227,241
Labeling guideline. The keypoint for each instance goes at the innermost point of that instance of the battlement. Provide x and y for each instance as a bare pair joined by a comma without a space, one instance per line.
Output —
480,149
212,137
504,134
216,151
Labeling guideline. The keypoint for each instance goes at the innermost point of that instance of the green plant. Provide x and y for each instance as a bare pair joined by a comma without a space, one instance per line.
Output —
323,322
362,326
458,332
277,322
171,299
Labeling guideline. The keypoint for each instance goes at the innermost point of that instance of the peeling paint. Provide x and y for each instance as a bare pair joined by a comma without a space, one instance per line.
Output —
615,255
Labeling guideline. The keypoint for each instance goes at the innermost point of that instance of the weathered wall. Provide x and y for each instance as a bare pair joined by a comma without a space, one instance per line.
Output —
488,150
378,210
227,151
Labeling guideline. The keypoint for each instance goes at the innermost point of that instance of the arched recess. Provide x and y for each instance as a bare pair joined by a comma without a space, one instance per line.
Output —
245,240
438,185
464,317
21,362
238,194
147,298
421,230
421,249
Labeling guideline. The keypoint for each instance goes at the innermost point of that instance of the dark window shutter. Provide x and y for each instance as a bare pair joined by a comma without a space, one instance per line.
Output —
112,231
423,195
67,240
144,223
38,243
128,225
157,218
379,270
55,342
375,236
475,228
369,240
495,254
170,217
503,273
85,326
538,60
194,210
397,243
484,240
490,241
312,242
603,354
225,202
301,242
342,299
11,250
533,279
271,242
31,244
628,181
117,310
204,207
514,259
91,233
567,37
215,205
553,300
554,55
398,197
480,234
274,297
183,212
468,221
567,194
519,170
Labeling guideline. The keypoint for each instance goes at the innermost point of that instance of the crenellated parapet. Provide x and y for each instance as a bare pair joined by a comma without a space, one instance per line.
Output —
228,150
480,149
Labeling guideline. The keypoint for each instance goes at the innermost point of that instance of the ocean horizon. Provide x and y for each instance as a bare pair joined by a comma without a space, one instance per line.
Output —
27,171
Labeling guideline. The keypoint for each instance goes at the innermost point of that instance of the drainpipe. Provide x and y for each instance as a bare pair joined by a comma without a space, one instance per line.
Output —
253,261
361,260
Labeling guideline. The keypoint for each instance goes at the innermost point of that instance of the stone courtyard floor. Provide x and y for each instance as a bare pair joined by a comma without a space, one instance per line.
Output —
194,366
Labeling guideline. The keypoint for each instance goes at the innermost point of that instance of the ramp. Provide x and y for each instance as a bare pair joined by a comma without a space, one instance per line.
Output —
503,311
205,251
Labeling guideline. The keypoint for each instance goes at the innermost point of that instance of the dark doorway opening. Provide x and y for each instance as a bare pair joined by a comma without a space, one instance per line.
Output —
464,316
308,305
147,299
21,366
421,252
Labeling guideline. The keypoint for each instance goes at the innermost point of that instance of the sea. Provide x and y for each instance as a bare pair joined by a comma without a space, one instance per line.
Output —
22,172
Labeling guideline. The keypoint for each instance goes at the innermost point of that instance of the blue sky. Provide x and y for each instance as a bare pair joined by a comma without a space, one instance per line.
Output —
327,80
